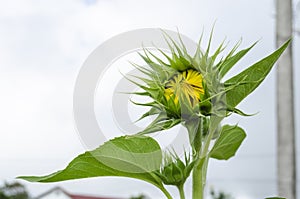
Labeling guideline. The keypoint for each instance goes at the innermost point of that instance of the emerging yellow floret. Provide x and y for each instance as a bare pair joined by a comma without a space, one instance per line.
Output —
187,84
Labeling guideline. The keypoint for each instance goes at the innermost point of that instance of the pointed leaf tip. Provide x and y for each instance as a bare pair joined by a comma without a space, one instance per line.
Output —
253,76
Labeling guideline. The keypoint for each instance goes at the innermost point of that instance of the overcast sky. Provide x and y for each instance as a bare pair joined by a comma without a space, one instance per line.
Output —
43,45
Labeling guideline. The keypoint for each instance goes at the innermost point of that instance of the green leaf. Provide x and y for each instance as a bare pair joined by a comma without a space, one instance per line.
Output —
230,62
227,144
160,123
253,76
127,156
153,111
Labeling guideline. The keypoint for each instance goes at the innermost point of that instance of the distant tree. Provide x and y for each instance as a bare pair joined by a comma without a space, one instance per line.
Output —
220,195
3,196
140,197
13,190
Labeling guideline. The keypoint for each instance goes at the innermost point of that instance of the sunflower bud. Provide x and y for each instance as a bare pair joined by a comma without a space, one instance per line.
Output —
184,87
175,171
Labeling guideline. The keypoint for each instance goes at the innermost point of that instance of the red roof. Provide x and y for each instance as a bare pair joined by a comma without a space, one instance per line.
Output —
73,196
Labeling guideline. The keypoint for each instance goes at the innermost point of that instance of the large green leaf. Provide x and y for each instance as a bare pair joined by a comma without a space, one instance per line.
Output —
227,144
249,79
126,156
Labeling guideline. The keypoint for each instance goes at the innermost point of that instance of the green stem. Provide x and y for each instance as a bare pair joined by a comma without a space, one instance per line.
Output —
197,184
167,194
181,191
160,185
212,127
199,178
200,168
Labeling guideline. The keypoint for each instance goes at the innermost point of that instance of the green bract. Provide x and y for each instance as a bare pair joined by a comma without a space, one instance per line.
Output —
174,171
185,89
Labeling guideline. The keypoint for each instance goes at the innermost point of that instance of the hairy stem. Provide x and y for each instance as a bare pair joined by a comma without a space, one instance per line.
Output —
167,194
181,191
197,184
215,121
199,178
201,158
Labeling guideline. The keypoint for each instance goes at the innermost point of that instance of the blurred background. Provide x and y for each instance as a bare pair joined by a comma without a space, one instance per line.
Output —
43,45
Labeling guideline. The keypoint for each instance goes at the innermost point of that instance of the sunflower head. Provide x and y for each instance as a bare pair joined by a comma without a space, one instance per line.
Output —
182,87
187,84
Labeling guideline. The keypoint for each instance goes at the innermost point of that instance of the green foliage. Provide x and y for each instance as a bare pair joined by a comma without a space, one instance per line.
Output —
248,80
200,107
139,197
220,195
133,154
227,144
275,198
229,62
175,171
13,190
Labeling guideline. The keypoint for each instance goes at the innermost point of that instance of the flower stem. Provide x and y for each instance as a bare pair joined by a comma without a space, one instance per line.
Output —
197,184
199,178
167,194
201,158
181,191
